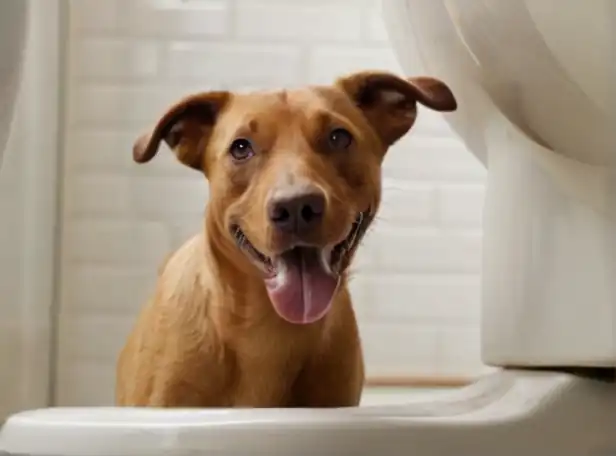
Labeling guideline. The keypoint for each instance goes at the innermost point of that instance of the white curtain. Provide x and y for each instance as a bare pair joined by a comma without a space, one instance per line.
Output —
13,16
28,179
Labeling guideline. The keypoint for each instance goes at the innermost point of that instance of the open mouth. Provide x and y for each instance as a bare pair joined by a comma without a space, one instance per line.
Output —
334,258
302,280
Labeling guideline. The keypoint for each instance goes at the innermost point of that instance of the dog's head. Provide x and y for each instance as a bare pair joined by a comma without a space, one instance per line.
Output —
295,176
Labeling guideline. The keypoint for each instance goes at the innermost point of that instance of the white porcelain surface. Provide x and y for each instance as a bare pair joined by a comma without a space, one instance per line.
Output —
508,413
536,84
13,24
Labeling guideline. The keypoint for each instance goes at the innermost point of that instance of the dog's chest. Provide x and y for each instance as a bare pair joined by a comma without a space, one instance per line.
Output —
267,369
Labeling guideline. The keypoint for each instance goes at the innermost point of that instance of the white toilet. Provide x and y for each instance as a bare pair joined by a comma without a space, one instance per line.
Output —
537,100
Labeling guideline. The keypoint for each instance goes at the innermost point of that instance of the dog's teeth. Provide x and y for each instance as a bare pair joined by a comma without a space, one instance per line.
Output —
336,267
326,258
351,239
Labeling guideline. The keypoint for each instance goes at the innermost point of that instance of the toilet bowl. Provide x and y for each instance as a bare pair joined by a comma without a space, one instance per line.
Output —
507,413
536,107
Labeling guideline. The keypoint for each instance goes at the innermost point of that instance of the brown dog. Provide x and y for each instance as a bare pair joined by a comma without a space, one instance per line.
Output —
255,310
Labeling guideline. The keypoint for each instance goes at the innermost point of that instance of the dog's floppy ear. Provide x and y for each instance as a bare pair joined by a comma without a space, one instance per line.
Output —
185,127
389,102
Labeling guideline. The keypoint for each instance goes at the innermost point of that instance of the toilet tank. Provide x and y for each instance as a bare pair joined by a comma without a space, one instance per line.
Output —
536,88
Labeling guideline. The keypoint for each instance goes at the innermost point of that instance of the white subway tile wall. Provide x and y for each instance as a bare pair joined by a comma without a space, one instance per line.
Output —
416,282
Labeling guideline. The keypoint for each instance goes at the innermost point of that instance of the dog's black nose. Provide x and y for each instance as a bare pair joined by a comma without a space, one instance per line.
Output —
298,213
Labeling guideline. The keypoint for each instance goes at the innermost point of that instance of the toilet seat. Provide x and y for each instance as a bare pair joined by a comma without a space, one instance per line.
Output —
507,413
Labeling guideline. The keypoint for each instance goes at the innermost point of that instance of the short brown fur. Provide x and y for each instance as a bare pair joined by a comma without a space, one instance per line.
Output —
209,337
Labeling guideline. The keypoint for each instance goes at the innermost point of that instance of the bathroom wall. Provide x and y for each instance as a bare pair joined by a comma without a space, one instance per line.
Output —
416,286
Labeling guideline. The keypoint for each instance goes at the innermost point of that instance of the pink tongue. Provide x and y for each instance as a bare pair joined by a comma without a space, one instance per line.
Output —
302,291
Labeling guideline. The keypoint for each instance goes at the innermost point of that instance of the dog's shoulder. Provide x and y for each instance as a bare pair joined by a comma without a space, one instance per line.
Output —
183,275
173,346
185,256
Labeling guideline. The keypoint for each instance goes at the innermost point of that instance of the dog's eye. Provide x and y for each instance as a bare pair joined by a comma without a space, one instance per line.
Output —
241,149
340,138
